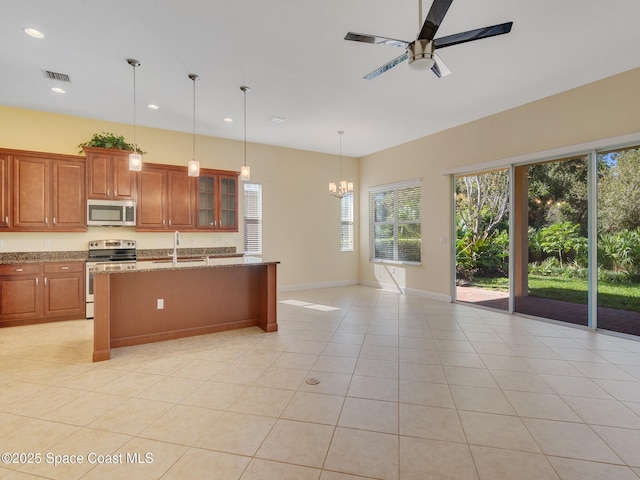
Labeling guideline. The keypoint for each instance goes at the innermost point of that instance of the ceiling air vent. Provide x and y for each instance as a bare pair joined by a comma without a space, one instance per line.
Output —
61,77
276,119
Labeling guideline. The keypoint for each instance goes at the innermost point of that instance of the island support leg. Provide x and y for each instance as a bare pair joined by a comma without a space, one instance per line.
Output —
267,319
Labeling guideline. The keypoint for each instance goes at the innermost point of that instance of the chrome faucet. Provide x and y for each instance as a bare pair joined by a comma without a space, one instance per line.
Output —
176,242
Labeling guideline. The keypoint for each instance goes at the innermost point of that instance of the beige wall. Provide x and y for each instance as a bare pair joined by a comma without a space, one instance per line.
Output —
604,109
301,221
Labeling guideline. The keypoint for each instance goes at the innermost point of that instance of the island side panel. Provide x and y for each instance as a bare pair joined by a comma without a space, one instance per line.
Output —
196,301
101,323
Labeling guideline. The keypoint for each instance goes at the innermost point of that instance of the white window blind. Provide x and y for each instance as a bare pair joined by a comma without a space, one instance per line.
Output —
252,218
395,222
346,223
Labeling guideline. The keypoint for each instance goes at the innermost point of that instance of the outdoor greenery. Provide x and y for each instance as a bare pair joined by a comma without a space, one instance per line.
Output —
558,228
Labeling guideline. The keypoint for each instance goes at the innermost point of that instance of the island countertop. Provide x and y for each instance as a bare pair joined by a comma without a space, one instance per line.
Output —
182,263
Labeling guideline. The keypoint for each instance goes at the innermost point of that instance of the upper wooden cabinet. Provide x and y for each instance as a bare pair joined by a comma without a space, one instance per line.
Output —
108,175
168,199
47,192
217,200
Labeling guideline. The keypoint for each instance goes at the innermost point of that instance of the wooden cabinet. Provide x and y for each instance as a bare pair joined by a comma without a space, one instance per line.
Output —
20,292
166,198
48,192
5,192
108,175
41,292
217,201
64,288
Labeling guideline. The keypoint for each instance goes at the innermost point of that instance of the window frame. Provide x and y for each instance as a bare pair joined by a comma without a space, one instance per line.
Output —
347,223
395,223
252,225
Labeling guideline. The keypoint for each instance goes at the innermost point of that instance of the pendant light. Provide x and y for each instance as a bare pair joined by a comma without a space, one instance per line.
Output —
245,170
342,187
135,159
193,166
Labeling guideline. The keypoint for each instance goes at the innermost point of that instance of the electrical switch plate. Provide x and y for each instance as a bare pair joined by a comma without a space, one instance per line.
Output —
160,303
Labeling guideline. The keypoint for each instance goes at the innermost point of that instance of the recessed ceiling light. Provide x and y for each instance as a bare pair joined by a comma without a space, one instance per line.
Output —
153,106
228,119
32,32
58,90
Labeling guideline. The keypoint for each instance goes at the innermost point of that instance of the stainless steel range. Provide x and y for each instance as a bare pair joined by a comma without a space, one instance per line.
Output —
110,255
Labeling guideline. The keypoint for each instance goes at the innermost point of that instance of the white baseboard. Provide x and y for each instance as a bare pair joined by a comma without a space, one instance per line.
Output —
314,286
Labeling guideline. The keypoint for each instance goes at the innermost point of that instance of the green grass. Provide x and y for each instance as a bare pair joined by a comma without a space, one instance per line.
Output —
623,296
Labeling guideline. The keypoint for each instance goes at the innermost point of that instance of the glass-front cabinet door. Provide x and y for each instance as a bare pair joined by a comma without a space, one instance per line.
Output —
228,206
218,202
206,201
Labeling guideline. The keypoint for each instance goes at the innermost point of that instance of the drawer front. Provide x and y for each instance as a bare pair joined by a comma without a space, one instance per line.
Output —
64,267
20,269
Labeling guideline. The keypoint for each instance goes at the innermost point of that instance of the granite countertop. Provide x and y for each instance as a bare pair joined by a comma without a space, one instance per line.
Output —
142,254
182,263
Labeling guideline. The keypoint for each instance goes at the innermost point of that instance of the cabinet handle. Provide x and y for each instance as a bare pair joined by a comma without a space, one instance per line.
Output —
163,224
45,281
108,192
169,222
46,220
64,268
36,281
54,220
19,270
6,219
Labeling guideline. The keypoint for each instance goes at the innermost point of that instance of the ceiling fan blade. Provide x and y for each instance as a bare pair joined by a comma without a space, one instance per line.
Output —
387,66
362,37
434,18
472,35
439,67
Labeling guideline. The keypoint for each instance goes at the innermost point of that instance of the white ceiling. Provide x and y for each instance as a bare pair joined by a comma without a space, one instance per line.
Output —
292,55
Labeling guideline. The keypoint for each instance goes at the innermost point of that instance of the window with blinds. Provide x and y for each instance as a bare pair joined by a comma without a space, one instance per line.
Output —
346,223
252,218
395,222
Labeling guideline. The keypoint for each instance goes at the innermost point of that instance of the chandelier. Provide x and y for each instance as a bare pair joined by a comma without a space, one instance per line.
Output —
341,187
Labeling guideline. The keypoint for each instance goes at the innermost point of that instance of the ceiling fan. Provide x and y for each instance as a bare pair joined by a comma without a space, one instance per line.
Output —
421,52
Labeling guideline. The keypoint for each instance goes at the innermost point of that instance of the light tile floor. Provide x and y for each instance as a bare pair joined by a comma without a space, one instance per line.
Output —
410,388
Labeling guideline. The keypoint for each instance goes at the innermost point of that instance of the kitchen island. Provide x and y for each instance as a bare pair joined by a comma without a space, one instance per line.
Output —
164,300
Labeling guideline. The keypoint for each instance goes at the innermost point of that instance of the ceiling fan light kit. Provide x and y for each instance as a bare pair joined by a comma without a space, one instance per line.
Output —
421,55
421,52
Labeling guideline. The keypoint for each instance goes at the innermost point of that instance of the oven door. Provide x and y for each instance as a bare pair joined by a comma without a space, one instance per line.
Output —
89,289
104,266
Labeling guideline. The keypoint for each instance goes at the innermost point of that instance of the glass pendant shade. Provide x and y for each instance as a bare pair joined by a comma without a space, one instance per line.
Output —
135,162
245,173
193,168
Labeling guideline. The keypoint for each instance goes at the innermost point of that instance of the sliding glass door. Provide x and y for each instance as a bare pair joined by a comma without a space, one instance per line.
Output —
552,223
533,255
482,239
619,240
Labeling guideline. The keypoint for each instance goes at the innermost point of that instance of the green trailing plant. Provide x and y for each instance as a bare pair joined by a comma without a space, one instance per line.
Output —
109,140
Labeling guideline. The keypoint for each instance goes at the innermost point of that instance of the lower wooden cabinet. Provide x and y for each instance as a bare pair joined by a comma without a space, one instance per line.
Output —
41,292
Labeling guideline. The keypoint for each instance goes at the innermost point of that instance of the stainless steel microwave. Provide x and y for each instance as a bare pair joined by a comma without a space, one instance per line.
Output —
111,213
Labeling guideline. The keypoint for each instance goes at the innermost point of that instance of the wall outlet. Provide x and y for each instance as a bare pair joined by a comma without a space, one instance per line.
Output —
192,241
47,242
160,303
